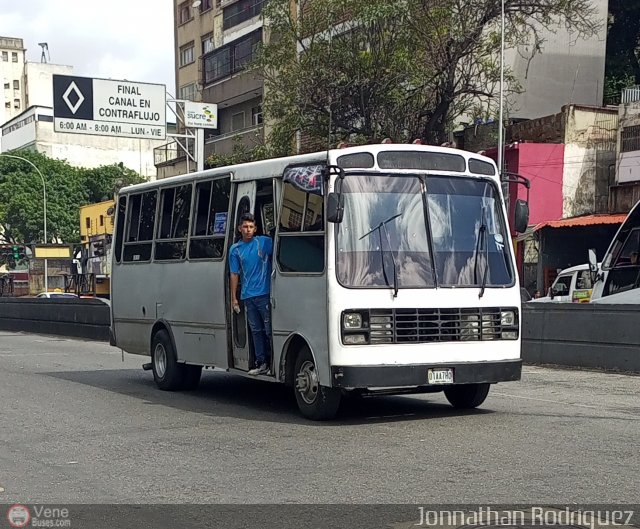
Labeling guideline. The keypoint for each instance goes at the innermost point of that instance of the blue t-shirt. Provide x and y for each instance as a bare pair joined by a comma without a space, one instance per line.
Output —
252,262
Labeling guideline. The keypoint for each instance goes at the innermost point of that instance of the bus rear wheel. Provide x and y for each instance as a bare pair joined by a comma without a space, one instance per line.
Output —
316,402
467,396
168,374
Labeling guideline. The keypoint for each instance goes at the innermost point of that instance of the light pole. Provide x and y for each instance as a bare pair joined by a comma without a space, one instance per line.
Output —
44,198
500,114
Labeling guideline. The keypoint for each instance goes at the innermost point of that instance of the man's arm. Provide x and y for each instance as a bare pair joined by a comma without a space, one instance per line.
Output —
234,290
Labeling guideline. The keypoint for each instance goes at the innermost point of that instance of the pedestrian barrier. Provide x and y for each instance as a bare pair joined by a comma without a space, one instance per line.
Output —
81,318
582,335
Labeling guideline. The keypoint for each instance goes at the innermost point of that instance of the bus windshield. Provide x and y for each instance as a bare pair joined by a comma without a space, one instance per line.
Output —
391,237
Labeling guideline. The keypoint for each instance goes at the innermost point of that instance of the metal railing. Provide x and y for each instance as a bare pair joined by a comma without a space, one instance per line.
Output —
631,95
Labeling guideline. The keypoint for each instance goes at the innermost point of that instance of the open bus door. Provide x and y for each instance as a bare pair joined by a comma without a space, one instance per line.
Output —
245,199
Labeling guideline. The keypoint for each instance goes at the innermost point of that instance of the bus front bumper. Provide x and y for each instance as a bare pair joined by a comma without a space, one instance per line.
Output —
348,377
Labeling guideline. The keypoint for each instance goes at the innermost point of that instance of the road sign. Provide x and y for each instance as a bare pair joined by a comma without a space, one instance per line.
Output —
201,115
106,107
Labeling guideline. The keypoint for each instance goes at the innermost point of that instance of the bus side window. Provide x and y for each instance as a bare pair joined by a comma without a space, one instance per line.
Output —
209,225
301,233
122,207
171,241
141,215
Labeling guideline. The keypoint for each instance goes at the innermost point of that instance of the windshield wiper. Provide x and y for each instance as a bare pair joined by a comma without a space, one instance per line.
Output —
378,228
482,240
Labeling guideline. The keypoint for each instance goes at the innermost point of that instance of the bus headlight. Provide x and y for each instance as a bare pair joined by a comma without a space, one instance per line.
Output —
352,320
507,318
355,339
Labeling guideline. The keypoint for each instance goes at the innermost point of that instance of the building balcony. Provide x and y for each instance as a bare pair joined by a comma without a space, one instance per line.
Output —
224,144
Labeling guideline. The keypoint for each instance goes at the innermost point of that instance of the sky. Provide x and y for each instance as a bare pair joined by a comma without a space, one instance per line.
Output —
116,39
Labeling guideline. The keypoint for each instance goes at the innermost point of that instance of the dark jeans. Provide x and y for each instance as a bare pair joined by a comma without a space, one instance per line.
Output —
259,318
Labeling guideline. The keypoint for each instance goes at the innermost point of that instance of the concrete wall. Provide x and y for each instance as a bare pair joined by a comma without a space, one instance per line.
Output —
582,335
569,70
82,318
39,82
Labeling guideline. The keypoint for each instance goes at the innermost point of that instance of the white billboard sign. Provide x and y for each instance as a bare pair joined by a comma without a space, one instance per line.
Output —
82,105
201,115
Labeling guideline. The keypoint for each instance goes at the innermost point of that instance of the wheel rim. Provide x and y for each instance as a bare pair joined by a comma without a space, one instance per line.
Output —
160,360
307,382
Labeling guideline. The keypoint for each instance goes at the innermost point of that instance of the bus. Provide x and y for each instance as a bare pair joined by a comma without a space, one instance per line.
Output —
618,280
393,272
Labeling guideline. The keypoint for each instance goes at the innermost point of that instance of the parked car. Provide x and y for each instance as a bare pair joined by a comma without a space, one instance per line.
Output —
56,295
573,285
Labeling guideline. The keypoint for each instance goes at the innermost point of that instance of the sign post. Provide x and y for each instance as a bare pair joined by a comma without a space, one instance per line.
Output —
106,107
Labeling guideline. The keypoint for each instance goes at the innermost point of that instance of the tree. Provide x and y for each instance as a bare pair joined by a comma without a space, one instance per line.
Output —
623,47
21,196
366,69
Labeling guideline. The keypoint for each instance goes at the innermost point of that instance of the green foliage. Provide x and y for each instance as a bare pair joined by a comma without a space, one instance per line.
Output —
241,153
68,188
372,69
623,48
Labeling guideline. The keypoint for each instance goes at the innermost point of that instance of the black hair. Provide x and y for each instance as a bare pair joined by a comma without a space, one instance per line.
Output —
247,217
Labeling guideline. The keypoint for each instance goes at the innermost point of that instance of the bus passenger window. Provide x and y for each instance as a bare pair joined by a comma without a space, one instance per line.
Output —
210,219
300,247
175,204
122,206
141,215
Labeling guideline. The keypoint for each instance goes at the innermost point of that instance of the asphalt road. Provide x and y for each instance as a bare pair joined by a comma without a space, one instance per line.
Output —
79,425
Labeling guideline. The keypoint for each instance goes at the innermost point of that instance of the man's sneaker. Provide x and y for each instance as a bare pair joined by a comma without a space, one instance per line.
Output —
260,370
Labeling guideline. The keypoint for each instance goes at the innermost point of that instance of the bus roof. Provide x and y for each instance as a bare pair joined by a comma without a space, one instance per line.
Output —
274,167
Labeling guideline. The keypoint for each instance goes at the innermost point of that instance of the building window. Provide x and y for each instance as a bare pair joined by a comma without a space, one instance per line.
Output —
205,6
16,103
232,58
87,222
188,92
7,86
237,121
241,11
256,116
14,56
16,84
101,220
5,56
186,54
7,104
184,13
207,43
631,139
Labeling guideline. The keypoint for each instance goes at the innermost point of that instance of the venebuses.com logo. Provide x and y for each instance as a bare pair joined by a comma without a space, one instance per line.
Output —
18,516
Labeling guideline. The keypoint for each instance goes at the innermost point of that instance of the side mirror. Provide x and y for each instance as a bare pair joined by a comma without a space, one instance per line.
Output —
335,207
521,216
593,265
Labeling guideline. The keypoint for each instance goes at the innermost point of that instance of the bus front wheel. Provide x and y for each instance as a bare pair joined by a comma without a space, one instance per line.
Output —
467,396
315,402
167,372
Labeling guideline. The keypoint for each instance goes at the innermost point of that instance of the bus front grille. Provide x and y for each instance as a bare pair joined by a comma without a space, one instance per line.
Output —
435,325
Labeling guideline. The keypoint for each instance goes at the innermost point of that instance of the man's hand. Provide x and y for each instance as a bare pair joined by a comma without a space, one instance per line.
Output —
236,306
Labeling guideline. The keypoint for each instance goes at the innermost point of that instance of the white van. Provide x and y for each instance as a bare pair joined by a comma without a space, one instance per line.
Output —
573,285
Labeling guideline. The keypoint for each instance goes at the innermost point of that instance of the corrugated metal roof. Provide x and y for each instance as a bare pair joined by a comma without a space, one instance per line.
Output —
587,220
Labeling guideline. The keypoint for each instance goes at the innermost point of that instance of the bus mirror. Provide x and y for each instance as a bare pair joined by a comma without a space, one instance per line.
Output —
335,207
521,216
593,265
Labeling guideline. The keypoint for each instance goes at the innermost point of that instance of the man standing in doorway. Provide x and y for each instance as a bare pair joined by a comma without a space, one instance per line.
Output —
250,263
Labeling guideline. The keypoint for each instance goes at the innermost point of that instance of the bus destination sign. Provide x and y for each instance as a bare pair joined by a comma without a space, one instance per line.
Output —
106,107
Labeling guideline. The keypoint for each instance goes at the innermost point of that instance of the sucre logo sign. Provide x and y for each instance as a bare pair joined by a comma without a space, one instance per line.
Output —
201,115
106,107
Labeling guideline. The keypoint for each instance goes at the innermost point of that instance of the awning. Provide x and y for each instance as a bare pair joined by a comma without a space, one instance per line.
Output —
587,220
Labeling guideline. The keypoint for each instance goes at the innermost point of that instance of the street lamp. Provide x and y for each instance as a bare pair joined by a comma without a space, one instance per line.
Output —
500,115
44,196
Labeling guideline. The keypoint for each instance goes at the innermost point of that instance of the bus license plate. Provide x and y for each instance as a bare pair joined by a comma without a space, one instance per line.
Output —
440,376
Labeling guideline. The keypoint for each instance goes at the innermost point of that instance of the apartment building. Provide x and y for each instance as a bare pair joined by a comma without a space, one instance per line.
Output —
214,41
12,60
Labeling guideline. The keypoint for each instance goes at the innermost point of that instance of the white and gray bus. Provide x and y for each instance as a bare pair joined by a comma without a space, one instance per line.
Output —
393,272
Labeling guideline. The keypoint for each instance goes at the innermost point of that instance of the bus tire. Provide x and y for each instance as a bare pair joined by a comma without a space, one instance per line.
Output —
315,402
167,372
467,396
191,377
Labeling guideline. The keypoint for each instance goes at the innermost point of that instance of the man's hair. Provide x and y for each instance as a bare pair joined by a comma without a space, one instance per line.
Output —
247,217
